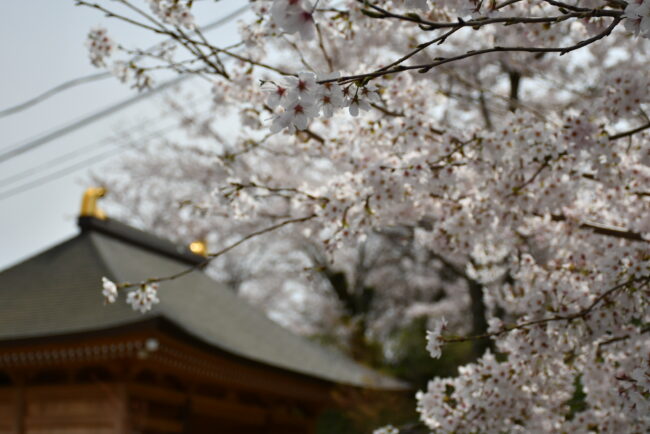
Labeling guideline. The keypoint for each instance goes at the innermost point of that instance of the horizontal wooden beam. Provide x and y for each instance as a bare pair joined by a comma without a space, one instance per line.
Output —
243,413
51,422
158,424
157,394
201,404
98,390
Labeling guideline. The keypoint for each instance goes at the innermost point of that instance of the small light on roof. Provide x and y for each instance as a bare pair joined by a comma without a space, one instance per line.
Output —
199,248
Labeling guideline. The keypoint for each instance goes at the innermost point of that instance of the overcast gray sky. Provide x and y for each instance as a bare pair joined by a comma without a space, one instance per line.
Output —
41,46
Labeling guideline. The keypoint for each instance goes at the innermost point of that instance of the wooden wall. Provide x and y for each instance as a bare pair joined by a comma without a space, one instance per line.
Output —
114,385
7,411
69,409
116,408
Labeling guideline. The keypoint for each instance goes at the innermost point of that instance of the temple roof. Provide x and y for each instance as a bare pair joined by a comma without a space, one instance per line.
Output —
58,292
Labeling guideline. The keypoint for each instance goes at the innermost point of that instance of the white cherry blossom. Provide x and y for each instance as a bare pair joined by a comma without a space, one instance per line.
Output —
100,46
174,12
294,16
277,94
303,87
109,290
434,338
329,96
637,14
296,116
143,298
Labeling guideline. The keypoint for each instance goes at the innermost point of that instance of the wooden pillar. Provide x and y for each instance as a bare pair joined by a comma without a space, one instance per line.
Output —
186,415
19,405
122,416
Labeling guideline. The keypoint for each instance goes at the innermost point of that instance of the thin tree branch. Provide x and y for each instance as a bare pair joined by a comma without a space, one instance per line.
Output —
578,13
569,318
179,38
211,256
426,67
630,132
606,230
621,338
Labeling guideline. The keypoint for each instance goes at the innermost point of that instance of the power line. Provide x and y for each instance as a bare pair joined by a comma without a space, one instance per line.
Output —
52,176
47,164
33,144
75,152
102,75
53,91
59,159
78,124
98,157
74,167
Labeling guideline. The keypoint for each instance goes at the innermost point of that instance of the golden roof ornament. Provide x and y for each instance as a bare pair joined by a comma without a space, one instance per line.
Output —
89,206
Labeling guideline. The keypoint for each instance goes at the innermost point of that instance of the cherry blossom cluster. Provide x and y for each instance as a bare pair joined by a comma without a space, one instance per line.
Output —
521,168
174,12
637,14
302,99
627,93
493,396
100,46
109,290
141,299
434,338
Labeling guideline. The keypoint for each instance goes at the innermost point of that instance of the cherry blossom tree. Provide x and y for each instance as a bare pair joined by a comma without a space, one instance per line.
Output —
508,139
358,298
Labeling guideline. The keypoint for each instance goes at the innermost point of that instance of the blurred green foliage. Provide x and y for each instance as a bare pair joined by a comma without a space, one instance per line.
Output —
406,358
412,362
577,402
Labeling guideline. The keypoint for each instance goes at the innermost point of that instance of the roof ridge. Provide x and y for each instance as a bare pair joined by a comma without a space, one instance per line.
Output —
41,251
108,270
140,238
40,295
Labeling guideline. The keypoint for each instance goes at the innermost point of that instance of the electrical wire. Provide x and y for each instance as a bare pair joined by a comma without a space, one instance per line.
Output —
62,131
19,149
53,162
61,158
53,91
40,141
102,75
76,166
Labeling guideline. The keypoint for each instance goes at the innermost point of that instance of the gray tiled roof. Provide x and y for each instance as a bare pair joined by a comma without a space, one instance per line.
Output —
58,292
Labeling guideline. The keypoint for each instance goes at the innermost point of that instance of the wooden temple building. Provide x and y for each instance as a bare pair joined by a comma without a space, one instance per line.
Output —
202,361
